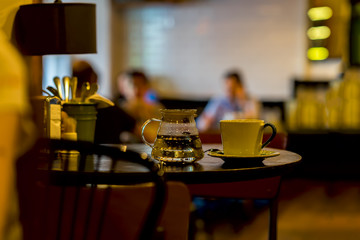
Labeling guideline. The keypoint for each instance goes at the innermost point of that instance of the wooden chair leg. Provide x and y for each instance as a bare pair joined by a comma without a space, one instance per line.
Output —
273,212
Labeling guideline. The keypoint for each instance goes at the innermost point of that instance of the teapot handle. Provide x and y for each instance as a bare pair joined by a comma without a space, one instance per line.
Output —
143,128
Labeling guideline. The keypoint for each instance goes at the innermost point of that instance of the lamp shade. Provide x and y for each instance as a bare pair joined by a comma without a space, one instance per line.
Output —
58,28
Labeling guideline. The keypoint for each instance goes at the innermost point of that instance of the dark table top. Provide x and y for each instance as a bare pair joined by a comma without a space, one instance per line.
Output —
214,170
207,170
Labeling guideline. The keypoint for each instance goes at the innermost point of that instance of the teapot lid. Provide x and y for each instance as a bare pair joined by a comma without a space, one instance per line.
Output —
178,115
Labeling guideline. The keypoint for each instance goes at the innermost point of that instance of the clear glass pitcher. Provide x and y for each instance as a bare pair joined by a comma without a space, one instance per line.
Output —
177,138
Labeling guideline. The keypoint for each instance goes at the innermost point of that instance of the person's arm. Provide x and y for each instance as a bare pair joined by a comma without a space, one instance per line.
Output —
252,108
208,116
205,122
8,129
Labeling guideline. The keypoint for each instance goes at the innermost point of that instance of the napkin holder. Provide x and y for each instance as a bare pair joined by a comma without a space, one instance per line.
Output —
47,116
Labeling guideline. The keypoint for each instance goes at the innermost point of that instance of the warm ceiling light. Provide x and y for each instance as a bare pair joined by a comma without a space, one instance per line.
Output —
320,13
317,33
318,53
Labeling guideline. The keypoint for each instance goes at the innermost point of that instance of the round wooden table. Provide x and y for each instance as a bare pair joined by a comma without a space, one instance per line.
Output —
205,171
215,170
248,178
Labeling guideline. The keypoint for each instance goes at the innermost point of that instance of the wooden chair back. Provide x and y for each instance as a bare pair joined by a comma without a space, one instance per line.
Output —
280,140
59,203
266,188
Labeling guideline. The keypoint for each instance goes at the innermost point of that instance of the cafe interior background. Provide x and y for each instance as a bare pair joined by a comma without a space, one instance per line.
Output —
186,46
297,65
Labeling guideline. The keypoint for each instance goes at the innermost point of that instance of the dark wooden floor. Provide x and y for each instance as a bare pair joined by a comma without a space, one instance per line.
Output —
308,210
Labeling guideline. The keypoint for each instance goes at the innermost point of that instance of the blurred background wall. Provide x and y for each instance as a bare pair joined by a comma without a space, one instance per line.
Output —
188,46
185,46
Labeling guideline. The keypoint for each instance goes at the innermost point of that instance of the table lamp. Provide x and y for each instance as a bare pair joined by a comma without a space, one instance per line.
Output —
55,28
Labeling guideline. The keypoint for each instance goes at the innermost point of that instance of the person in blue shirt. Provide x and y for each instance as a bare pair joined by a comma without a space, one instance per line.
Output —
235,103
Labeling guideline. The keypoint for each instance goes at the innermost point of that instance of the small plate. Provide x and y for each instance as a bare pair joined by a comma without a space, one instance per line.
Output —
220,154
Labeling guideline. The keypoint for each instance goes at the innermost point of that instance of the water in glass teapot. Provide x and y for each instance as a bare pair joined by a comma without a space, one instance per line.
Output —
177,137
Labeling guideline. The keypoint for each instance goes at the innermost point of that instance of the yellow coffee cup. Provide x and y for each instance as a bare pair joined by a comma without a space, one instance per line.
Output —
243,137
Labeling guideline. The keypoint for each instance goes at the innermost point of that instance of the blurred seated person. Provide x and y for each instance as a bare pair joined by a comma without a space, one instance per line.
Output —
139,100
112,123
141,81
234,104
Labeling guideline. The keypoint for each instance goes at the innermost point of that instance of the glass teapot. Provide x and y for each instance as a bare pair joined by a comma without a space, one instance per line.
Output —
177,139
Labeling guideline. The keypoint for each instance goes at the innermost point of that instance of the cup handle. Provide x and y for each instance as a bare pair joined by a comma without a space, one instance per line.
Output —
143,128
272,135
